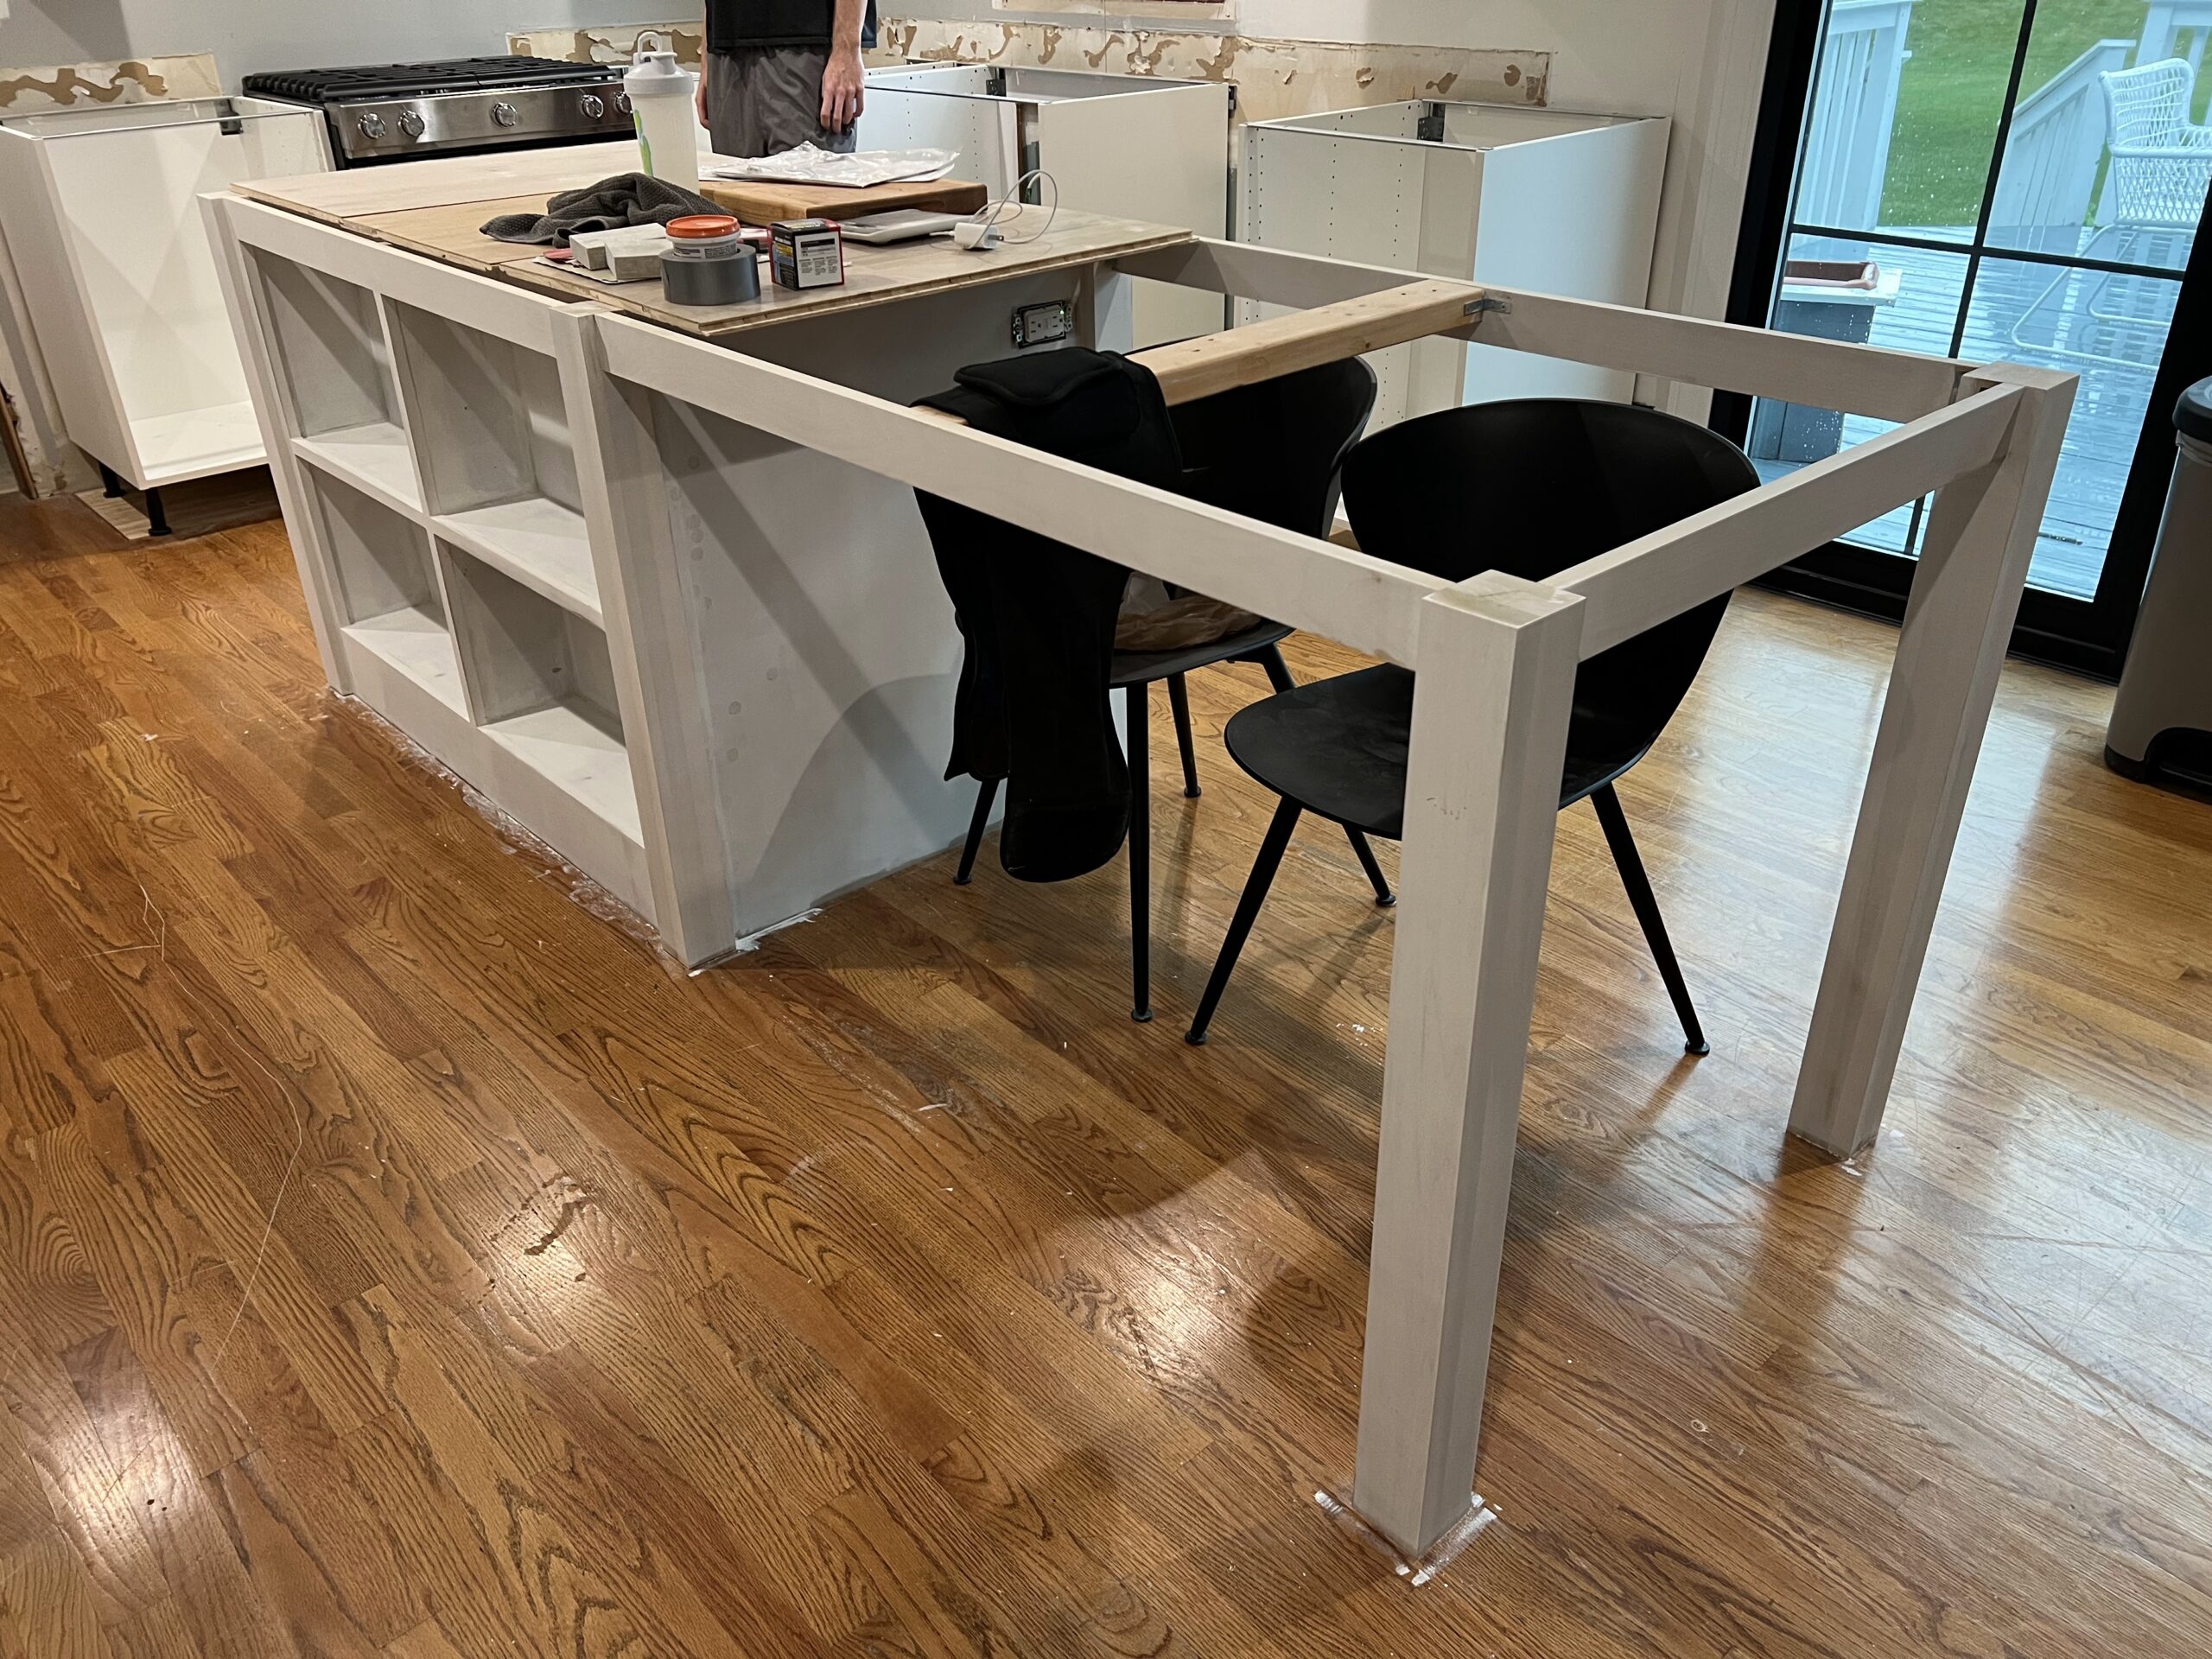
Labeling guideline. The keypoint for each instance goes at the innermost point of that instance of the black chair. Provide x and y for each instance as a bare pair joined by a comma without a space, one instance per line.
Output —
1529,487
1272,451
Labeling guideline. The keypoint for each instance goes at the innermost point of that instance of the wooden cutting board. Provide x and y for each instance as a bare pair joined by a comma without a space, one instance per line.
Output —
760,202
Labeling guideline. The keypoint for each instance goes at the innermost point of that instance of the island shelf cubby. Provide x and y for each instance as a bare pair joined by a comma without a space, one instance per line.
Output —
541,683
441,534
387,579
329,338
497,469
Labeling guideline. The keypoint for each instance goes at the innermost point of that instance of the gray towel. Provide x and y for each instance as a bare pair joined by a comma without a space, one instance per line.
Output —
625,199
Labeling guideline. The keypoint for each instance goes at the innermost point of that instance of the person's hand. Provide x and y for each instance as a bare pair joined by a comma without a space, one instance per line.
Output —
843,82
699,97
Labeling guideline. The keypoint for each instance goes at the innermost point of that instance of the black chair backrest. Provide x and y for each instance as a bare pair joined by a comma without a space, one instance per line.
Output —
1273,450
1531,485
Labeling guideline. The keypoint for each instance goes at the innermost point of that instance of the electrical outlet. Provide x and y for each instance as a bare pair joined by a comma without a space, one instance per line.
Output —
1038,324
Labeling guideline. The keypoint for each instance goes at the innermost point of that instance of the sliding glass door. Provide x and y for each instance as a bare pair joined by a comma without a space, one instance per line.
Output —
2016,178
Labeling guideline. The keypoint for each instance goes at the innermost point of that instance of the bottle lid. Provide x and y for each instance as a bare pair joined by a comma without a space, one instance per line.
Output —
655,74
2193,412
701,226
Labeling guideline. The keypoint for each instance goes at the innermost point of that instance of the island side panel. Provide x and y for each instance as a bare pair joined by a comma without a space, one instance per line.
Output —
827,654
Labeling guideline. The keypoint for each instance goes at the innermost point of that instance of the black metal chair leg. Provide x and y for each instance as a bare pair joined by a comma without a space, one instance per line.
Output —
1278,672
1247,910
1646,905
110,483
158,517
1365,854
1178,700
986,793
1136,708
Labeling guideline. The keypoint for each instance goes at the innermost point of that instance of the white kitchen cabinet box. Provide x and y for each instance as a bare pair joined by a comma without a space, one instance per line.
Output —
1542,199
103,225
1130,146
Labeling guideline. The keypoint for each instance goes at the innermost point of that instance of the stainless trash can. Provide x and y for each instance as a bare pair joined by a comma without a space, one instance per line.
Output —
2161,730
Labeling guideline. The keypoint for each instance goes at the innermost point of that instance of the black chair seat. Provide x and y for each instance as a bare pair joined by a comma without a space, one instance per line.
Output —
1143,667
1337,747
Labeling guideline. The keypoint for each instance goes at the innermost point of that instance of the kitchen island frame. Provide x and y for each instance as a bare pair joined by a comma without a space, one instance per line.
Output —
675,450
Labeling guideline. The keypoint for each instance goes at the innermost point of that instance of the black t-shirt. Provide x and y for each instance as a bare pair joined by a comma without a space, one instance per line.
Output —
736,25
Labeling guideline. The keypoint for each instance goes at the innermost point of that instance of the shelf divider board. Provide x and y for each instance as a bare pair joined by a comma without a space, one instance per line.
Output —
373,458
569,746
415,643
538,541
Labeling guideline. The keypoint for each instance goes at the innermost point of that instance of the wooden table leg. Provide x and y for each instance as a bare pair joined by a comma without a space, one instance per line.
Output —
1966,592
1497,661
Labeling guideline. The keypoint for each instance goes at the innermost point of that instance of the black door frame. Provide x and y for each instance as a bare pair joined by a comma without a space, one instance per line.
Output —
2088,636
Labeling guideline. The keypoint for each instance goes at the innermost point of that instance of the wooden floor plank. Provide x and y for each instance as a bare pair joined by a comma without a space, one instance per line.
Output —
888,1290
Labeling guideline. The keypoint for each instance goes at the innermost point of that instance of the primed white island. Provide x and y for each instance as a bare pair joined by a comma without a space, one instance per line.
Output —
713,670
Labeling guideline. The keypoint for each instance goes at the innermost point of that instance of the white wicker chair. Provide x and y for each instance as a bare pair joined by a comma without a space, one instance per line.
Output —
2161,171
2161,161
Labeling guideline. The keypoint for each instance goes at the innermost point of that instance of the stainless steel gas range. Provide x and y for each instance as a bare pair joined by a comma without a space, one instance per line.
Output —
390,112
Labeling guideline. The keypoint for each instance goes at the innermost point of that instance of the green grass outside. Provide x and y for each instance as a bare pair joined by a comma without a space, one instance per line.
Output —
1953,90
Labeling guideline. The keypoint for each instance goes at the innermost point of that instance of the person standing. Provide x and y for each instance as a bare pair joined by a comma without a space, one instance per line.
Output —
780,74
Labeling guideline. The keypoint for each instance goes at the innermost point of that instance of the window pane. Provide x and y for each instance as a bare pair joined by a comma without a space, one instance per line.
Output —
2107,156
2110,330
1904,114
1907,298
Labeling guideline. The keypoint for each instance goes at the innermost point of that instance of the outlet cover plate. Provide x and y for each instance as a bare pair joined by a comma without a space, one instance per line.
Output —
1041,324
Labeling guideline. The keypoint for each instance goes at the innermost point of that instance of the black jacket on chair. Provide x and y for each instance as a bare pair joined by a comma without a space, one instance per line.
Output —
1038,615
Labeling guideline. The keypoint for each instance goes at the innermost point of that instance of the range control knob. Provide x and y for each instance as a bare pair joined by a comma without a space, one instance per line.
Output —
372,125
594,106
622,102
410,123
504,113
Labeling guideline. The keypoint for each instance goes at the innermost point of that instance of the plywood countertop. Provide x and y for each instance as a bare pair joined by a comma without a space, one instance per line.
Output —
435,208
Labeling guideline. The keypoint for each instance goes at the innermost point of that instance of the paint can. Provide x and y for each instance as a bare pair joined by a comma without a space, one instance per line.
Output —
708,261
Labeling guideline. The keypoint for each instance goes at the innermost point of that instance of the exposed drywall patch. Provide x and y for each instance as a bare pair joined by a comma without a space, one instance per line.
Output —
614,43
1274,78
1182,12
131,80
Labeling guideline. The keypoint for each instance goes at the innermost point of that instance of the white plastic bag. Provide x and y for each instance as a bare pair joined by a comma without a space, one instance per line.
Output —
863,168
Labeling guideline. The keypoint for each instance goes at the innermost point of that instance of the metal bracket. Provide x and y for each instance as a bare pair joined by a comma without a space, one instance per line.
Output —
1489,303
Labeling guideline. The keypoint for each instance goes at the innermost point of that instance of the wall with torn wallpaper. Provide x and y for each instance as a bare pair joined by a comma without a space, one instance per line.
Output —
246,35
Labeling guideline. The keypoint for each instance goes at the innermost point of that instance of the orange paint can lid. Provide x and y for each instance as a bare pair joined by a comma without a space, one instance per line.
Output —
699,226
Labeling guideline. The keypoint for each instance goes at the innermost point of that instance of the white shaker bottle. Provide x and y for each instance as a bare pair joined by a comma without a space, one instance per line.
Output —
661,102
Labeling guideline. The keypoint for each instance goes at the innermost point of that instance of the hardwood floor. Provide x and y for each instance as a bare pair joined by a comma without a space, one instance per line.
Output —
888,1291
